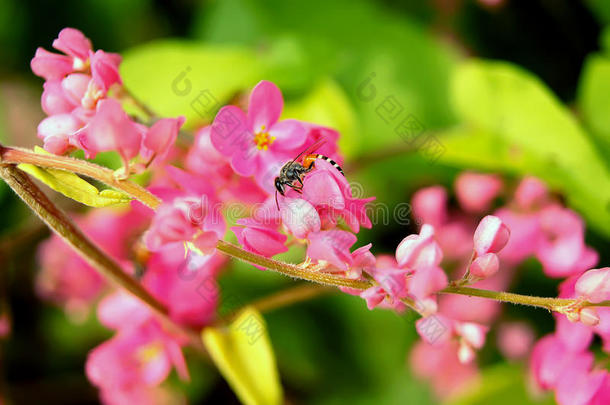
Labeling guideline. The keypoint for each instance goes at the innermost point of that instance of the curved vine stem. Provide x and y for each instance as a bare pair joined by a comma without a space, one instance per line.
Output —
97,172
17,179
61,224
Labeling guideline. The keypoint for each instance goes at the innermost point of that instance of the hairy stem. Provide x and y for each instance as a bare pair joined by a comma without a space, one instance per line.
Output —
290,270
17,179
97,172
61,224
552,304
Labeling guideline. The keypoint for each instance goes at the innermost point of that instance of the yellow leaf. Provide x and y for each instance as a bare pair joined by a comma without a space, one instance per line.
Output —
243,354
72,186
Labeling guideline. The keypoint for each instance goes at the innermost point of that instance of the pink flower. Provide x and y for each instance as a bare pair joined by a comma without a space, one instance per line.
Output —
430,205
331,195
73,43
485,266
440,365
562,250
54,100
110,130
419,251
260,238
299,216
550,359
160,138
332,246
185,219
490,236
142,355
472,338
582,388
362,260
594,285
423,285
56,130
51,66
531,193
525,234
185,285
256,142
105,69
515,339
476,191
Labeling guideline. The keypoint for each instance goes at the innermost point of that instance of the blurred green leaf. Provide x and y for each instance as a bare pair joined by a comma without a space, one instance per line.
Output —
243,354
363,41
531,125
500,385
327,105
594,100
175,77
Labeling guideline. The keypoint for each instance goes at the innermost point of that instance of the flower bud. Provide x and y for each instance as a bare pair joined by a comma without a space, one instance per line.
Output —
485,266
490,236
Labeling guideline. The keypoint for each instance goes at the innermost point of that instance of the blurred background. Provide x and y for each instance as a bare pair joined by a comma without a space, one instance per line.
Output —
511,86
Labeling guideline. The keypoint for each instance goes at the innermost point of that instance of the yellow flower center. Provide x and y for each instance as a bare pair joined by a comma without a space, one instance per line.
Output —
149,352
263,140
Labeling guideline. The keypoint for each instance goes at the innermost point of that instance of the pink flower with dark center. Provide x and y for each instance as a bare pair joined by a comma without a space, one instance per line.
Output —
257,143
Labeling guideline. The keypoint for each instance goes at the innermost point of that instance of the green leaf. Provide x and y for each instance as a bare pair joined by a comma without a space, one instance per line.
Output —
594,99
500,385
176,77
531,124
243,354
397,54
328,105
72,186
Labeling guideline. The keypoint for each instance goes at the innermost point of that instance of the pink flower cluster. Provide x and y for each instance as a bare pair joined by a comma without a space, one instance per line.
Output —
532,223
82,115
562,361
233,163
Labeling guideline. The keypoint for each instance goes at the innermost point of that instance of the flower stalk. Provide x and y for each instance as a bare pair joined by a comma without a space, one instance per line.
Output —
61,224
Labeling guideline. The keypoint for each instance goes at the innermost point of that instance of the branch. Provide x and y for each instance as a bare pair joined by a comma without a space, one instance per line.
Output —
61,224
18,155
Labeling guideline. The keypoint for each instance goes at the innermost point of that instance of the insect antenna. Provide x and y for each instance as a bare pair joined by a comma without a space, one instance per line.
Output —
276,201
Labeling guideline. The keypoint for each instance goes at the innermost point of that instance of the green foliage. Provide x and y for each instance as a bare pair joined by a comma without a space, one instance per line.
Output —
535,133
594,100
176,77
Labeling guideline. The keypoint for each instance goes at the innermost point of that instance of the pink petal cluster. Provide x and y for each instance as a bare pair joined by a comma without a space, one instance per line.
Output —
257,143
66,279
81,115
